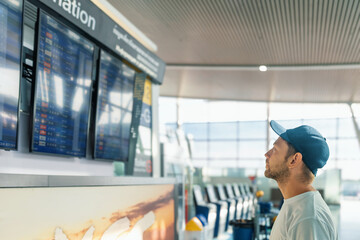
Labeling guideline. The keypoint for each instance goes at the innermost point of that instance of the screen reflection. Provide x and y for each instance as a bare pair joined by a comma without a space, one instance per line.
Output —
114,109
62,93
10,45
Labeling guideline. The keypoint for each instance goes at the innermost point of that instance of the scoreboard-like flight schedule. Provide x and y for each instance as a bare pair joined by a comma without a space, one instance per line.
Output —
114,109
10,46
62,90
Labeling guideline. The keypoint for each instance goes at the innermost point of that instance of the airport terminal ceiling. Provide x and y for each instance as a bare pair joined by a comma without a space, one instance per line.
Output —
213,48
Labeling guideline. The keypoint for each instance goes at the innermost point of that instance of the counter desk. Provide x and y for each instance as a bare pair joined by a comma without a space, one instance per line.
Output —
87,208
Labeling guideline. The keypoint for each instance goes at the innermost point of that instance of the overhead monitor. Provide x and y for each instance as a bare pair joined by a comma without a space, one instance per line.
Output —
114,109
10,62
62,89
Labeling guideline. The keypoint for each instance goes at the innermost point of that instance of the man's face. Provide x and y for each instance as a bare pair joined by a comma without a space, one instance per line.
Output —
276,167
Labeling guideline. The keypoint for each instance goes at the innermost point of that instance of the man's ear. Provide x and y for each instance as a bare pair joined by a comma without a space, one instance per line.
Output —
295,160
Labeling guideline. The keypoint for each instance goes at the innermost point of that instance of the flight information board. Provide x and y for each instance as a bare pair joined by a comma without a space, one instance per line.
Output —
114,109
62,90
10,57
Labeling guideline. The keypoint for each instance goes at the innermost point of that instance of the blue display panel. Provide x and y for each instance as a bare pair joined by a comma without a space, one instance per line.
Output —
62,91
10,57
114,109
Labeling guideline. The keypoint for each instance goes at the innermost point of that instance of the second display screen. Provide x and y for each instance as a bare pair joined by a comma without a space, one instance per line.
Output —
114,109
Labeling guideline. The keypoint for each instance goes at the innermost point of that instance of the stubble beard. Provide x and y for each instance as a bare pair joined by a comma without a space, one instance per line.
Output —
280,175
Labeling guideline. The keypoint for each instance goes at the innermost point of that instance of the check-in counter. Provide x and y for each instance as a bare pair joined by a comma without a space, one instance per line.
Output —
206,209
219,188
67,207
244,192
246,201
253,198
221,210
238,200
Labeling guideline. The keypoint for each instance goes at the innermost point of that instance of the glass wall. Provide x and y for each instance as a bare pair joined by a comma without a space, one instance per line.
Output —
232,134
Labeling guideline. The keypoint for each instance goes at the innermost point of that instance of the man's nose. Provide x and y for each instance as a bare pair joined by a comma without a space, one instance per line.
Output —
267,154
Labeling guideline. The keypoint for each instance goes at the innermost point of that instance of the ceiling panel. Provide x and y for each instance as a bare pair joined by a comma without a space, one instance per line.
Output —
276,86
249,33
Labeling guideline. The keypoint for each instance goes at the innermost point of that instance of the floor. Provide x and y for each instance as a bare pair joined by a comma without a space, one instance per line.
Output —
349,219
346,216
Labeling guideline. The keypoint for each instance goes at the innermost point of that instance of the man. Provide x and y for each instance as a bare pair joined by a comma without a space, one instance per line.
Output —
293,163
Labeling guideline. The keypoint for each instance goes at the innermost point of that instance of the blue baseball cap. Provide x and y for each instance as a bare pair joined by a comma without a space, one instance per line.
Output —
307,141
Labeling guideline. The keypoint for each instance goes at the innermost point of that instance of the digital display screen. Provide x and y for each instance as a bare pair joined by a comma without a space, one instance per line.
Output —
10,58
114,109
62,90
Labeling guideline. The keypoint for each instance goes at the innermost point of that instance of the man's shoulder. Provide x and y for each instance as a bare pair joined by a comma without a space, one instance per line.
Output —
312,228
309,206
313,214
303,205
307,212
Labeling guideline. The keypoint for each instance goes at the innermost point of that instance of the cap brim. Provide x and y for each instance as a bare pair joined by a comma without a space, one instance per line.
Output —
277,127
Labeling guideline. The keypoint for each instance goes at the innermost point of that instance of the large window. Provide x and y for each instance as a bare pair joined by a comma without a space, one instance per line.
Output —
226,144
230,134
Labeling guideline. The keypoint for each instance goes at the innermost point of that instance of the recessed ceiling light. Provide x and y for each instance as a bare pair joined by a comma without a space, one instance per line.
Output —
263,68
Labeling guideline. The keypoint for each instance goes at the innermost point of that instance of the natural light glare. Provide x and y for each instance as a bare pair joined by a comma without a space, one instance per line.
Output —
78,99
234,134
195,110
231,111
87,82
145,137
105,116
59,91
15,2
356,109
73,35
7,116
219,113
82,82
10,90
252,111
127,72
115,114
126,118
288,111
114,98
126,99
44,87
168,110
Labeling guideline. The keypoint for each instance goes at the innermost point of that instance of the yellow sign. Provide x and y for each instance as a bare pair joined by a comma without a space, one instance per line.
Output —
147,92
